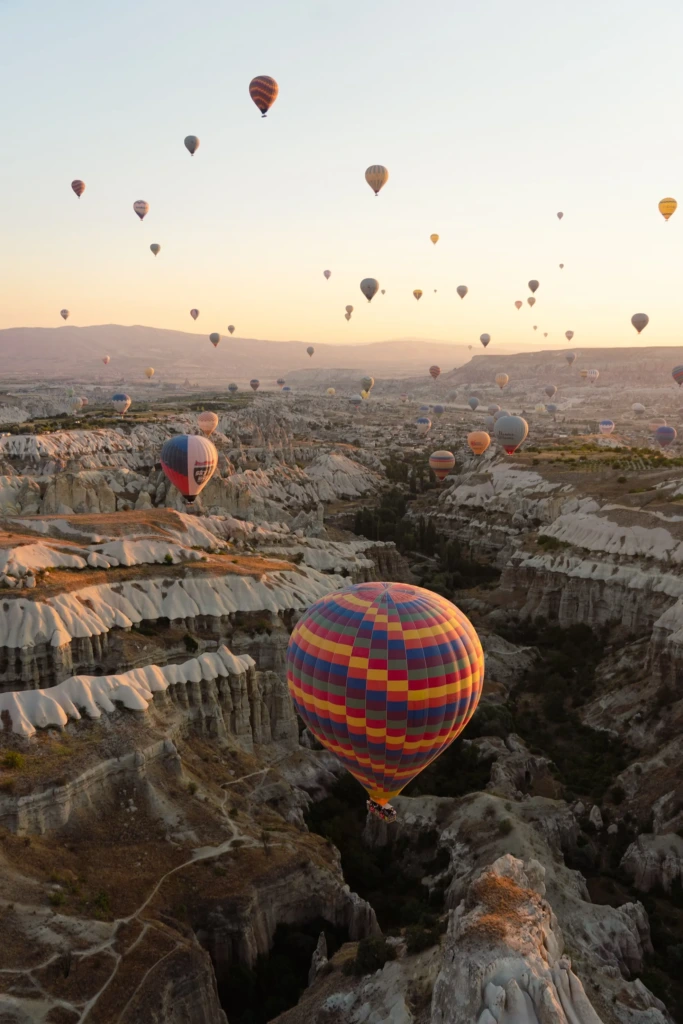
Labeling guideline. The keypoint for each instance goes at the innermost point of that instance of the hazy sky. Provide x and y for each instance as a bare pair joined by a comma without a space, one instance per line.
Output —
491,117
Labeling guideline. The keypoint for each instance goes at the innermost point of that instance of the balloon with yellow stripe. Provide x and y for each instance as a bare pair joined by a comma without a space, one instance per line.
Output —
667,207
386,676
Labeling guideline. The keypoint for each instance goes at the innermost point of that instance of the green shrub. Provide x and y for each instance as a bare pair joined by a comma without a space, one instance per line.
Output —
57,898
13,759
505,827
168,559
371,956
419,938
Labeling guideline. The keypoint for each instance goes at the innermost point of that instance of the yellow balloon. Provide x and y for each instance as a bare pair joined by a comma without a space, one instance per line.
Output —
149,372
434,238
418,294
376,177
667,207
478,441
501,380
365,394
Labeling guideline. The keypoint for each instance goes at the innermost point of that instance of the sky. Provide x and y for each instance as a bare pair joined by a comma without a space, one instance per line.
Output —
491,117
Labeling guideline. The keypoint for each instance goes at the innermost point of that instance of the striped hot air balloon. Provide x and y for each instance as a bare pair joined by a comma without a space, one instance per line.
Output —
189,461
377,176
263,90
78,187
121,402
677,374
254,384
385,676
664,436
233,388
441,463
606,427
423,424
141,208
207,422
434,371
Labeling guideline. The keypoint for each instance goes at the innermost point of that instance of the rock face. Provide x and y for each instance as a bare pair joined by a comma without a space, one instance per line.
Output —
184,992
654,862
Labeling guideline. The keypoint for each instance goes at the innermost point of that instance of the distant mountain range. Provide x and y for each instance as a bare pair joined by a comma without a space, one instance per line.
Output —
65,352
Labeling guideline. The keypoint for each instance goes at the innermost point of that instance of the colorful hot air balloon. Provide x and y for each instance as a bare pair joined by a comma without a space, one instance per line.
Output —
106,360
424,409
65,314
638,408
485,339
606,426
356,401
583,373
263,90
194,313
84,401
191,144
518,304
78,186
667,207
531,300
478,441
141,208
640,321
561,265
417,293
462,290
389,711
347,316
254,384
434,239
438,410
550,390
349,310
149,372
207,422
327,274
231,329
560,215
533,286
232,388
665,436
368,383
434,371
286,390
281,381
214,338
570,357
121,402
441,463
156,248
593,375
423,424
569,335
331,392
501,380
677,374
377,177
473,403
365,395
75,405
551,408
369,287
189,461
510,431
310,350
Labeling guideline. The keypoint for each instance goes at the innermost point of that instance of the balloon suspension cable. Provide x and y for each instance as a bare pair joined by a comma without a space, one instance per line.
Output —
385,813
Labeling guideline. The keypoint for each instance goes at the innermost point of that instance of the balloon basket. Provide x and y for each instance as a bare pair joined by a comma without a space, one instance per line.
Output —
385,813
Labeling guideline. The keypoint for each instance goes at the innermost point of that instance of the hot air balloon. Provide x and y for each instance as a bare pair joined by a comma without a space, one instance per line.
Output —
570,357
569,335
365,395
231,328
493,409
434,371
667,207
426,679
423,424
501,380
65,314
121,402
497,415
441,463
593,375
207,422
424,409
189,461
149,372
533,286
473,403
510,431
489,423
286,390
384,291
677,374
664,436
403,396
469,348
263,90
535,327
232,388
462,290
254,384
369,287
518,304
531,300
478,441
485,339
310,350
417,293
327,274
434,239
156,248
214,339
106,360
606,426
331,392
561,266
141,208
640,321
377,177
194,313
438,410
191,144
349,310
551,408
638,408
84,400
78,186
550,390
583,373
356,401
560,216
281,381
347,316
368,383
75,404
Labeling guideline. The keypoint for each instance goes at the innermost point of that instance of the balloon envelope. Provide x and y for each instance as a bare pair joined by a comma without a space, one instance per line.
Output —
64,313
677,374
665,436
570,357
156,248
377,176
141,208
569,335
189,461
331,392
434,371
550,390
593,375
214,338
232,388
78,186
510,431
254,384
191,144
667,207
560,215
441,463
327,274
368,383
473,403
263,90
423,424
478,441
106,360
606,426
640,321
462,290
149,372
531,300
501,380
388,713
418,294
533,285
369,287
485,339
310,350
194,313
121,402
207,422
519,304
231,328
